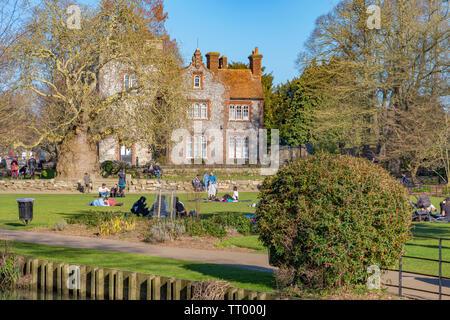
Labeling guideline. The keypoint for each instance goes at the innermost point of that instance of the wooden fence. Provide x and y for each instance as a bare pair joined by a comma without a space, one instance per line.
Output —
68,281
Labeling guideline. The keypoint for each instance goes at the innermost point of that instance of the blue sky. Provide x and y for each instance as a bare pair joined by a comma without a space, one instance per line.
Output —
235,27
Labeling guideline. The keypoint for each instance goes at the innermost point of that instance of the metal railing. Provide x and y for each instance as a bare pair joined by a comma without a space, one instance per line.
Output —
440,261
432,190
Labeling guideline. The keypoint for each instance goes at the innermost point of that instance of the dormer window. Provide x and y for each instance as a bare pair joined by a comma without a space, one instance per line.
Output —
197,81
129,81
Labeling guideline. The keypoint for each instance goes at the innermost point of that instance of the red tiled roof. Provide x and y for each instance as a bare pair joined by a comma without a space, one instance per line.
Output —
242,83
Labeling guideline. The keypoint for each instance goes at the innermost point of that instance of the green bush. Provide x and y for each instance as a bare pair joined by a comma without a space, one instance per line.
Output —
327,218
199,228
239,221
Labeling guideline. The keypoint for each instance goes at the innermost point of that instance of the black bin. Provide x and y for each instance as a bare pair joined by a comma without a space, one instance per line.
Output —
25,209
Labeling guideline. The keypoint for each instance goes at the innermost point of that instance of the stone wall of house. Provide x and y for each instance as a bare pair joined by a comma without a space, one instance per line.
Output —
133,185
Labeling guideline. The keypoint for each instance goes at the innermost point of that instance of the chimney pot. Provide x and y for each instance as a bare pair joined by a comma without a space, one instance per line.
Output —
255,63
212,59
223,62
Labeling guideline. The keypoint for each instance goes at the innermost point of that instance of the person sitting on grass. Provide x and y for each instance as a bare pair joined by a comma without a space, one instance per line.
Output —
180,210
140,208
103,202
114,191
445,208
235,194
103,191
158,210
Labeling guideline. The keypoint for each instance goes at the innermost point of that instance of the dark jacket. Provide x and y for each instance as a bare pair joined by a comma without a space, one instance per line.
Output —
122,180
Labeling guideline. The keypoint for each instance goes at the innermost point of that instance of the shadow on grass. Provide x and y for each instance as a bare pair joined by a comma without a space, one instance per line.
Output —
431,230
16,224
235,273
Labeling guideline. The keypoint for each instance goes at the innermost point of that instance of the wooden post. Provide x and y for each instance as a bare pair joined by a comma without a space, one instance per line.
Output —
149,287
156,288
93,276
49,282
43,265
99,284
119,286
83,280
112,275
34,273
132,285
65,280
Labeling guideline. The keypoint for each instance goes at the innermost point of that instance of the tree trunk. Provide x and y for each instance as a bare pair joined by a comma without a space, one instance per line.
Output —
77,155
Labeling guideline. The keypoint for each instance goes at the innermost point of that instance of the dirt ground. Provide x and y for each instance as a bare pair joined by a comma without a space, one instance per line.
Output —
138,235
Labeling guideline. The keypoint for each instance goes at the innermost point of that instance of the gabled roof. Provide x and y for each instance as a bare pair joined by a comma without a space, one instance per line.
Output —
242,84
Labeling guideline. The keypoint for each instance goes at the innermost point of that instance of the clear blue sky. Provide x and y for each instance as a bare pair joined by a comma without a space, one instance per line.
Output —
235,27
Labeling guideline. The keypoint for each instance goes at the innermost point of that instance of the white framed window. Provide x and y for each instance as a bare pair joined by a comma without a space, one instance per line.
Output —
200,148
204,111
126,81
189,148
129,81
231,147
197,81
238,112
246,113
232,112
196,111
204,147
246,148
238,147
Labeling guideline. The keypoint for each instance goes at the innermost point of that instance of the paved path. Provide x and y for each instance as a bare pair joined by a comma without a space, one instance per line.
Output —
238,259
251,261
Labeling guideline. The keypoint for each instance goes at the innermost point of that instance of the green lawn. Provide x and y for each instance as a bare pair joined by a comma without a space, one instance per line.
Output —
49,209
238,277
52,208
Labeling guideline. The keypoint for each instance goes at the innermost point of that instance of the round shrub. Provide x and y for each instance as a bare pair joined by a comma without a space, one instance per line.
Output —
327,218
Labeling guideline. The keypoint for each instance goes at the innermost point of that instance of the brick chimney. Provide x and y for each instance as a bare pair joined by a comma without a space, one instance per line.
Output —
255,63
212,61
223,62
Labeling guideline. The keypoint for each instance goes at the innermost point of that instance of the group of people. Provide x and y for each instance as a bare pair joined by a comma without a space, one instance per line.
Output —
160,208
424,203
209,184
28,169
103,191
154,170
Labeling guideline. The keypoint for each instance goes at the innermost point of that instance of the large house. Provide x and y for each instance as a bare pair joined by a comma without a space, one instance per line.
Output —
231,101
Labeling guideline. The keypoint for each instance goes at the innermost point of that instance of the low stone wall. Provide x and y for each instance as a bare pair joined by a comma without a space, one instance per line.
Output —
133,185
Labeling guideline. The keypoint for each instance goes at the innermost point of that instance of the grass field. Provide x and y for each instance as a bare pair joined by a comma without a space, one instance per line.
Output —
180,269
52,208
49,209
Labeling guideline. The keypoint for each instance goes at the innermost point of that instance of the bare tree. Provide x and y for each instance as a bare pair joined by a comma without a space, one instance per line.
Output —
380,76
68,67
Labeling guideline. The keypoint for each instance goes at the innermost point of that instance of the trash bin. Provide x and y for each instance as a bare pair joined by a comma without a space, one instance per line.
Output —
25,209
